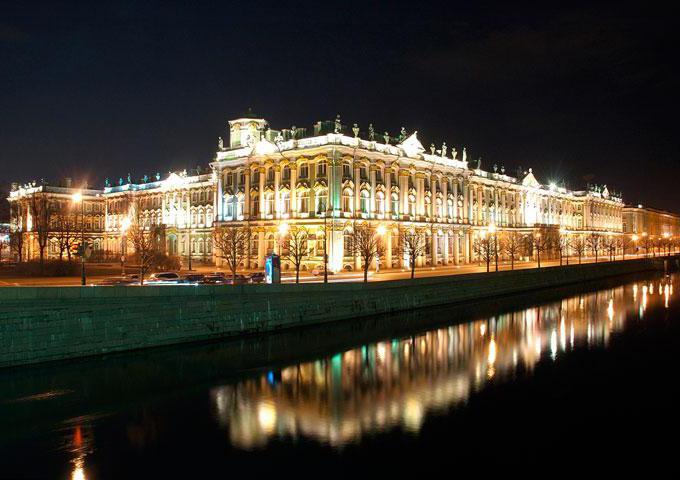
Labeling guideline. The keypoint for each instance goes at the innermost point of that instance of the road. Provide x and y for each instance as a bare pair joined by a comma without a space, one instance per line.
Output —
287,277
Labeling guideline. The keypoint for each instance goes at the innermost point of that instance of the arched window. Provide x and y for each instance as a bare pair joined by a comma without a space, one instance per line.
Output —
285,203
255,206
254,244
303,207
347,201
304,170
346,171
201,217
439,212
411,205
285,173
348,245
364,201
270,244
270,174
322,201
208,246
200,246
321,169
449,207
395,204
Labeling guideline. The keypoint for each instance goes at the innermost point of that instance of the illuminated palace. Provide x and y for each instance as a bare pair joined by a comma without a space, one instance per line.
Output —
329,178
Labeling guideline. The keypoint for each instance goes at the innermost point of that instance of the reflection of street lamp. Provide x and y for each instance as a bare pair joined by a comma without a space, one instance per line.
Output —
77,197
125,224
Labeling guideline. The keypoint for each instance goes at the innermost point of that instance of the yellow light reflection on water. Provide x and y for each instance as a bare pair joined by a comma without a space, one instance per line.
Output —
398,383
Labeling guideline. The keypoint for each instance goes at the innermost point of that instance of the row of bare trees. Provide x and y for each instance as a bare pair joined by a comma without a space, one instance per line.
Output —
232,244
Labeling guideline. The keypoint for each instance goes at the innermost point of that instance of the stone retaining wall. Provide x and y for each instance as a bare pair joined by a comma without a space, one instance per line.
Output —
39,324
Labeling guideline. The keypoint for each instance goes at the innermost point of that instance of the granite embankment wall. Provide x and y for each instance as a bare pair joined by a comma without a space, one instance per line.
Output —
39,324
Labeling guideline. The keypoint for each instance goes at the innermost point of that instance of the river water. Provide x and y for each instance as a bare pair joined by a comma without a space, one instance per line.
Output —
578,379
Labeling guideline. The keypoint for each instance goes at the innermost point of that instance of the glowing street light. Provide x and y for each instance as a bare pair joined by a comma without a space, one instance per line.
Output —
77,197
381,230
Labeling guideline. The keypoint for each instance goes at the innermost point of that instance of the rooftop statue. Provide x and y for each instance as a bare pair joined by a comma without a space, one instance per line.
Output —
444,149
371,132
338,124
454,153
386,136
107,183
464,155
432,148
158,176
355,130
220,143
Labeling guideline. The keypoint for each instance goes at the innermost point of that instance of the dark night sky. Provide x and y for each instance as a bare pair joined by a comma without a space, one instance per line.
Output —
140,87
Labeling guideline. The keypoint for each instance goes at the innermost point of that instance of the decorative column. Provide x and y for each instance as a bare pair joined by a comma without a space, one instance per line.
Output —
403,190
372,210
277,182
467,246
388,248
420,194
246,194
263,210
445,249
387,176
456,247
217,201
433,247
445,200
293,190
357,189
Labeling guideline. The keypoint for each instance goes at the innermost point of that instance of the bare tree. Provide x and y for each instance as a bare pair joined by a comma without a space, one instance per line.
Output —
296,248
647,244
65,233
563,247
412,244
511,245
594,243
145,244
578,245
484,248
540,242
231,243
41,210
610,244
624,242
367,245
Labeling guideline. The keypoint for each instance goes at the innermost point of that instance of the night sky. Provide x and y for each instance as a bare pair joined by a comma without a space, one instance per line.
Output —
584,92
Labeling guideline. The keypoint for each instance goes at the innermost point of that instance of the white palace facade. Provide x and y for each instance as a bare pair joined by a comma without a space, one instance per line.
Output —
329,180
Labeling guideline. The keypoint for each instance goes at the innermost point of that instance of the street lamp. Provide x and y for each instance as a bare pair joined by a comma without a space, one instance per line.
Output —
125,224
537,244
77,197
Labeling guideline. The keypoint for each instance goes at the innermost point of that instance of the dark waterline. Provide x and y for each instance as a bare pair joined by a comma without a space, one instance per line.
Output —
560,379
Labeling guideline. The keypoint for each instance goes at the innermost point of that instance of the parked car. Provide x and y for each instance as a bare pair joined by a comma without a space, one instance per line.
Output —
118,281
238,279
192,279
319,270
163,277
214,280
257,277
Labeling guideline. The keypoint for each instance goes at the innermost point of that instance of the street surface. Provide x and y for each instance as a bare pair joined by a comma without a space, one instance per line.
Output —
289,277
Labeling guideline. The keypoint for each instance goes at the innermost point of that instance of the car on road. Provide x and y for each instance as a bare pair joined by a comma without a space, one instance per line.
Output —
257,277
120,281
318,270
192,278
213,280
164,278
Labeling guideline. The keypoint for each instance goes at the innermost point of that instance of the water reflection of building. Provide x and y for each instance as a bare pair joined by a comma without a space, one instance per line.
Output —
397,383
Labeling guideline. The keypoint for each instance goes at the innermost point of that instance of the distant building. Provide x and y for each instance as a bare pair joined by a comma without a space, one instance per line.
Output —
328,179
650,221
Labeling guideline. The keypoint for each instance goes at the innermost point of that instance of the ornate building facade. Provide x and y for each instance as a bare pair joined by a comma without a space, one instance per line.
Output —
329,180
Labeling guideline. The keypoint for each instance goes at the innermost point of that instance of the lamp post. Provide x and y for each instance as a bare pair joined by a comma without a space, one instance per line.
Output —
538,246
77,197
564,245
123,243
634,238
381,231
644,234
